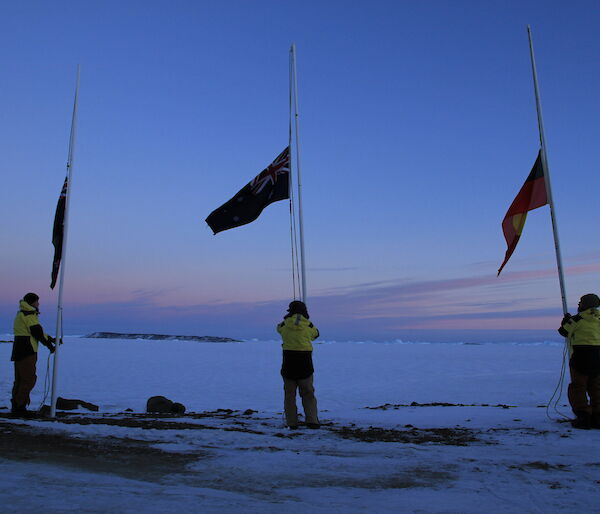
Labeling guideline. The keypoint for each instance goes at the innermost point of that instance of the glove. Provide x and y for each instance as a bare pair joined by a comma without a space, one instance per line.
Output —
50,344
566,319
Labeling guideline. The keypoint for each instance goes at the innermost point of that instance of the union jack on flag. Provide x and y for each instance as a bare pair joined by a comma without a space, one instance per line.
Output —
269,175
270,185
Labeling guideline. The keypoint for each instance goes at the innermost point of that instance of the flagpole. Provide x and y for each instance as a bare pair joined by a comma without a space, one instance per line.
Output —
293,224
59,327
300,214
538,104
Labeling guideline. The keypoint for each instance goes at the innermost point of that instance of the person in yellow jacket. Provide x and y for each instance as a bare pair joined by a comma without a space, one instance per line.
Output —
297,368
28,334
583,331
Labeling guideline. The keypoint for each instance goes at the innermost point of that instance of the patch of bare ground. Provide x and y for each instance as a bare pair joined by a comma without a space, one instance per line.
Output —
396,406
520,430
129,458
413,435
145,421
545,466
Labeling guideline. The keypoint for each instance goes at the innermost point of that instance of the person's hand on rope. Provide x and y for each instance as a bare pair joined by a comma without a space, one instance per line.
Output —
567,317
50,344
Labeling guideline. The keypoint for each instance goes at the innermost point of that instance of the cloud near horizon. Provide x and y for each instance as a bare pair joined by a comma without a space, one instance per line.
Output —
377,309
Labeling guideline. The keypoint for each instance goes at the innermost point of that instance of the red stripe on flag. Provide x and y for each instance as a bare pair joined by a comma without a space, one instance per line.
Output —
531,196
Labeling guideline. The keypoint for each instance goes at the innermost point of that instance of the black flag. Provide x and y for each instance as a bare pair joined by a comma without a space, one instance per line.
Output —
58,232
270,185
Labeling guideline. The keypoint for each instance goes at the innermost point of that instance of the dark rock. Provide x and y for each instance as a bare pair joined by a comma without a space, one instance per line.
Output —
178,408
163,405
66,404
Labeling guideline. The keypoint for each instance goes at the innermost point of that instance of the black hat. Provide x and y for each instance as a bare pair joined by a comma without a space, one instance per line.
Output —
298,307
31,298
588,301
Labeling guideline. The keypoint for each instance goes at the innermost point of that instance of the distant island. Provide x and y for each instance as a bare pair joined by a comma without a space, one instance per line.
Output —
160,337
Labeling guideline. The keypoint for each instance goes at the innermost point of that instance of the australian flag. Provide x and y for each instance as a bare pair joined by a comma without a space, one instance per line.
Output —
270,185
58,232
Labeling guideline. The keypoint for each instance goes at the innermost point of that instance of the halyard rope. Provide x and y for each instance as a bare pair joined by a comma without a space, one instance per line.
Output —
557,394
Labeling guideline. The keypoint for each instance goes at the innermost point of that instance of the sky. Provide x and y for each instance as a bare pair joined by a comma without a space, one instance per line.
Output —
417,129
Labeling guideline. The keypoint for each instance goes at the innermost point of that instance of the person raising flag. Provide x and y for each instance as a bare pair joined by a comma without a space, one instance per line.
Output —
297,368
28,334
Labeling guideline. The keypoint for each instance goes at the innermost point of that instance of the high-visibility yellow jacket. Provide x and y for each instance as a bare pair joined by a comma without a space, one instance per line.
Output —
27,331
583,328
297,333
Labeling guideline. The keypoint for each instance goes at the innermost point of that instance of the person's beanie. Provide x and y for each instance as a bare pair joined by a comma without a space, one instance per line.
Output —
298,307
31,298
589,301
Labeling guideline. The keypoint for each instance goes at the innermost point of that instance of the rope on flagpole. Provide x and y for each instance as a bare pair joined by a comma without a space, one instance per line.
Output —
46,383
556,395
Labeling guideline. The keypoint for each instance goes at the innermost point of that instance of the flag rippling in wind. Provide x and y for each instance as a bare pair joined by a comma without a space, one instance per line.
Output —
58,232
531,196
270,185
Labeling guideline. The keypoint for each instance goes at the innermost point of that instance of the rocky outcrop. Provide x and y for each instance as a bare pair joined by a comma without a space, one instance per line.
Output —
161,337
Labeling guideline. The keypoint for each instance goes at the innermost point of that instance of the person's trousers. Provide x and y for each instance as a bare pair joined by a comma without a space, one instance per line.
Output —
309,402
25,379
581,387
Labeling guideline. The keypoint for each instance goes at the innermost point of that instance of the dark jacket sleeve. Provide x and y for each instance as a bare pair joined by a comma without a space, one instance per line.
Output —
568,324
38,332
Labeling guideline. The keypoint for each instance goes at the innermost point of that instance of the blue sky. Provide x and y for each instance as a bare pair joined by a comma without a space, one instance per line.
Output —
418,127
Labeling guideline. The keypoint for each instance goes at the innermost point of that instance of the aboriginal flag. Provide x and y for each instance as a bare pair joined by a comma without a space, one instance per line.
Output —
270,185
531,196
58,231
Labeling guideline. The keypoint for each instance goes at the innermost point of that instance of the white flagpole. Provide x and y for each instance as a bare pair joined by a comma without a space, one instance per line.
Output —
538,104
300,216
59,327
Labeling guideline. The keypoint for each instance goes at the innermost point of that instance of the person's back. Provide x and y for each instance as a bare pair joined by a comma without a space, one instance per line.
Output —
25,325
297,333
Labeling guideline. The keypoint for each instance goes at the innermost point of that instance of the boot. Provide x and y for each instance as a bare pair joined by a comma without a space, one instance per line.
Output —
582,421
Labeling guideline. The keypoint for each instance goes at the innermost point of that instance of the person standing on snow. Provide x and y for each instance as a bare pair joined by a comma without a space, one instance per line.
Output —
583,331
28,333
297,368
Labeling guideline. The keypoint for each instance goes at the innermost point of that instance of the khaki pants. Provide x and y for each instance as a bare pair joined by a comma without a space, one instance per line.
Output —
580,388
309,402
25,379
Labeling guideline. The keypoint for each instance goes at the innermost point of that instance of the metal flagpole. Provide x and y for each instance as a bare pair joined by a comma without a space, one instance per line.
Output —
59,327
561,278
300,216
293,224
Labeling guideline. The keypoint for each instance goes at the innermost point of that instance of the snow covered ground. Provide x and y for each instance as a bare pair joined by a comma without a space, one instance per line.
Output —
493,450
